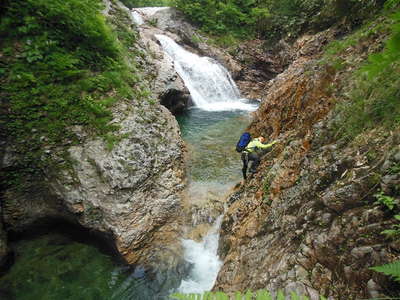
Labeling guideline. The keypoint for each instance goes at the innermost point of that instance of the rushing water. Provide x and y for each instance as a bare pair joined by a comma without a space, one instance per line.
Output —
55,266
214,167
205,262
211,130
210,84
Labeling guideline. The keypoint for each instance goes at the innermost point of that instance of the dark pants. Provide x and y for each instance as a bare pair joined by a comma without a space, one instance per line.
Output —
246,157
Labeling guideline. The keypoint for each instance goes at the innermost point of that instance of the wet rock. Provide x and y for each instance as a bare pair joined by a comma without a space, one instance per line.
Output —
166,84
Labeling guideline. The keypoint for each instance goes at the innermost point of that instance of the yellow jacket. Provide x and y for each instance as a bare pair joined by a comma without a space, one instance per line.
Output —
256,144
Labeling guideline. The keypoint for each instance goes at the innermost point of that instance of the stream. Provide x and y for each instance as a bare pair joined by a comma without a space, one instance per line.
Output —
59,265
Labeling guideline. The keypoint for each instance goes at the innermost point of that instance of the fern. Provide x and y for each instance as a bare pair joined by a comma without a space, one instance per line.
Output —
392,269
391,3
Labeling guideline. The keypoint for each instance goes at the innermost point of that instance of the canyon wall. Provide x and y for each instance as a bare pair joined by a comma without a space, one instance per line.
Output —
308,220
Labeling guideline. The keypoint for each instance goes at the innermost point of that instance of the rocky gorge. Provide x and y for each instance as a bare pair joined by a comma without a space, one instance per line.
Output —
307,221
133,197
130,195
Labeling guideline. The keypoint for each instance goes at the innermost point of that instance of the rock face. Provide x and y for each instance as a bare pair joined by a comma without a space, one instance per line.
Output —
307,221
3,244
167,20
130,194
166,84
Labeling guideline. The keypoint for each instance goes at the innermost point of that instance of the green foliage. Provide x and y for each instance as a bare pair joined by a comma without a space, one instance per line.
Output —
146,3
392,269
274,19
374,99
235,17
394,169
395,229
248,295
391,3
385,200
61,65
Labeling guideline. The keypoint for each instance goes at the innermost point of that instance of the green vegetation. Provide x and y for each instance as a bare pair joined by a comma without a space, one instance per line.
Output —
386,200
274,19
259,295
374,97
61,65
392,269
146,3
394,231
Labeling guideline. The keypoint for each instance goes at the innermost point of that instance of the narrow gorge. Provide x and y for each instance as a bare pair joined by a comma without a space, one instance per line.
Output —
119,174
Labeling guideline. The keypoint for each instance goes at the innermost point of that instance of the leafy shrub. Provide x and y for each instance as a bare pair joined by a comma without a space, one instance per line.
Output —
146,3
275,19
61,65
374,100
394,231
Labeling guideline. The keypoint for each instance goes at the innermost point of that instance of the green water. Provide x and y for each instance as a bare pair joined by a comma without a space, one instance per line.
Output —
59,266
211,139
54,266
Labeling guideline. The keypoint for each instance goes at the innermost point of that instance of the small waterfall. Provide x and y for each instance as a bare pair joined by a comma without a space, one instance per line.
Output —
137,18
210,84
205,262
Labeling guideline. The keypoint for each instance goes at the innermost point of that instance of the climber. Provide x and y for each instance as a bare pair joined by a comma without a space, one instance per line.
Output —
253,151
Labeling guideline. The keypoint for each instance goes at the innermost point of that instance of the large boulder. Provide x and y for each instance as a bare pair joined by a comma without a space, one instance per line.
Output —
128,189
131,193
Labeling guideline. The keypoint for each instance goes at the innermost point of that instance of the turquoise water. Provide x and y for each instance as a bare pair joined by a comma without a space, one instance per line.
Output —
54,266
60,266
211,138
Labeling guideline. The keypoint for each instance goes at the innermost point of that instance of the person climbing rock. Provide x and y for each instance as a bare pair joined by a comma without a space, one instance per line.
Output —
253,152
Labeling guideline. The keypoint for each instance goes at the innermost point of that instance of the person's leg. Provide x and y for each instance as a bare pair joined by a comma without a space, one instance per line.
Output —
245,160
256,161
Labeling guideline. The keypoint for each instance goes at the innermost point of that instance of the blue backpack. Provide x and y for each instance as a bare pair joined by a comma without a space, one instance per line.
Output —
244,140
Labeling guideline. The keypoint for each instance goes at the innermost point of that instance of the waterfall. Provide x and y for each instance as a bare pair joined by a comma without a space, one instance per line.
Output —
212,89
209,83
205,262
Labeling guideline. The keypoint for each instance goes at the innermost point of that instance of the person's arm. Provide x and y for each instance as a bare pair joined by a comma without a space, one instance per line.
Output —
265,146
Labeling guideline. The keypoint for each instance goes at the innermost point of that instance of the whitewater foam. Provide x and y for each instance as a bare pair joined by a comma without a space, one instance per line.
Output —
209,83
204,260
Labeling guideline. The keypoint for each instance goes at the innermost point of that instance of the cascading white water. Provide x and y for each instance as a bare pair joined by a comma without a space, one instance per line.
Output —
205,262
208,82
212,89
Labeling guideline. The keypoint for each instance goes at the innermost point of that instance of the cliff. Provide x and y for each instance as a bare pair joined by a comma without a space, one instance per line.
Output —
126,185
309,220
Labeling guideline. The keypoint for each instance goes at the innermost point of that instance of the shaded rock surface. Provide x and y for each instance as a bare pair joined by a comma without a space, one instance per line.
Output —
3,244
308,221
131,193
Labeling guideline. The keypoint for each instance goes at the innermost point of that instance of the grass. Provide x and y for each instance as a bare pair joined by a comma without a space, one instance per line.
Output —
373,97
